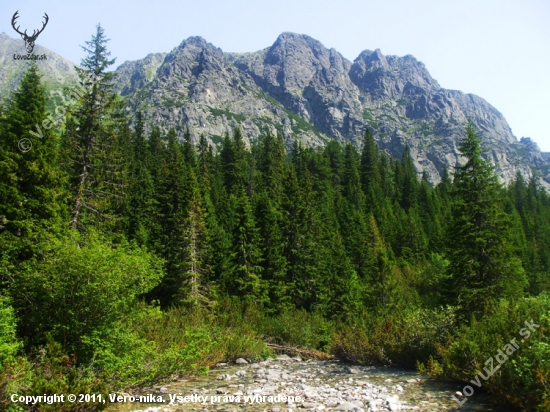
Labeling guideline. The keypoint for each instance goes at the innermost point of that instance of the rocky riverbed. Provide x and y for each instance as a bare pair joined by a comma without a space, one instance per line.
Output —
289,384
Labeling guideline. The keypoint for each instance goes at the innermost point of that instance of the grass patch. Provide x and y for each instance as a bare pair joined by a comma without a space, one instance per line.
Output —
169,102
367,115
229,115
143,93
268,98
262,123
374,124
217,139
300,124
425,129
389,117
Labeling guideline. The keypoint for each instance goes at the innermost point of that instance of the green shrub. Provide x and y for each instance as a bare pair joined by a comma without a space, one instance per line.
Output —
15,377
150,345
523,379
132,360
50,371
80,285
9,345
299,329
400,338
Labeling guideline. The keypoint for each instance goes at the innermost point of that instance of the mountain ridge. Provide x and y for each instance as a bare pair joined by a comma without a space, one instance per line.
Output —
306,91
298,77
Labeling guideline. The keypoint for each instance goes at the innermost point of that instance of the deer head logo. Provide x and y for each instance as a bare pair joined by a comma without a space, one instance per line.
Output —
29,40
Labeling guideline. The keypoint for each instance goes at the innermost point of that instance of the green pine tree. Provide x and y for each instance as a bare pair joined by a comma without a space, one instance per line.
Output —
235,167
31,184
299,229
245,269
482,260
172,204
269,221
371,177
142,204
96,141
407,180
194,289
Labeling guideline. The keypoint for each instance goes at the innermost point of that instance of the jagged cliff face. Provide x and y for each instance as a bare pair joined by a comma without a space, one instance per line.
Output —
313,94
197,85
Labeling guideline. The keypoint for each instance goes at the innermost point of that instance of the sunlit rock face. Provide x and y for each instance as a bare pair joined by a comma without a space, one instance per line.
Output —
310,93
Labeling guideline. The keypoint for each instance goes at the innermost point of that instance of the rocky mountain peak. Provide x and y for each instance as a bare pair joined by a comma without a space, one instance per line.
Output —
310,93
390,76
295,59
196,48
191,58
132,75
196,41
290,40
529,143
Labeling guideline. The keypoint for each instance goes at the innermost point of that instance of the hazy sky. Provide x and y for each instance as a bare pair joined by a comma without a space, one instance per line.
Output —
497,49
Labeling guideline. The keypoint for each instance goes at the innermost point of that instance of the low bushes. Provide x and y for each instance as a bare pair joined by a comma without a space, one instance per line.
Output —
398,338
523,377
442,348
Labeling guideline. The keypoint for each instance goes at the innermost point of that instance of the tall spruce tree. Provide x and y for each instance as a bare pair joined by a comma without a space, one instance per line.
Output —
269,223
155,165
236,170
407,180
352,213
172,214
194,290
482,260
245,270
206,163
300,234
96,140
141,203
271,164
31,184
371,178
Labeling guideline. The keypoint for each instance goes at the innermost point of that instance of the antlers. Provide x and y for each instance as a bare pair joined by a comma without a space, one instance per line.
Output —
15,16
43,25
34,33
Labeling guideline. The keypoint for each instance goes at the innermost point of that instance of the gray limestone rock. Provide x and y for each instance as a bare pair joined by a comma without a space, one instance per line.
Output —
307,92
311,93
351,370
348,406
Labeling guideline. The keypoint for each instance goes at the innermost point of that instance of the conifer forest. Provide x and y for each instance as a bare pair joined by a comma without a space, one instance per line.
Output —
128,255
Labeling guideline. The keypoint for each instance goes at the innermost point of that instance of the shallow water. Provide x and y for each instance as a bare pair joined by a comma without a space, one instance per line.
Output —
321,385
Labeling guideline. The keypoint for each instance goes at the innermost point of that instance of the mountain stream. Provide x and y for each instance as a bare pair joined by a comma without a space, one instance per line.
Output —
289,384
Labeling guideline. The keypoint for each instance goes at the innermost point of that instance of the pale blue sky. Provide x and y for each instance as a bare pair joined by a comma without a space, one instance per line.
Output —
497,49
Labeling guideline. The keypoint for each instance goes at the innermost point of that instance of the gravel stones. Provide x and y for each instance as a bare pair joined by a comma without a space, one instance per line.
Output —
281,385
